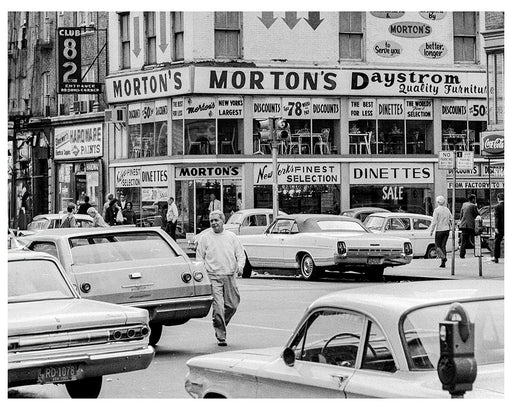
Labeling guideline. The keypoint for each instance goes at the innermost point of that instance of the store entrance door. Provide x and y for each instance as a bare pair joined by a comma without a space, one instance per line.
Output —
203,191
80,187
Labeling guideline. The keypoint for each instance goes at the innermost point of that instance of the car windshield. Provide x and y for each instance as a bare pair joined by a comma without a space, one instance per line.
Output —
333,225
421,333
374,222
37,279
236,218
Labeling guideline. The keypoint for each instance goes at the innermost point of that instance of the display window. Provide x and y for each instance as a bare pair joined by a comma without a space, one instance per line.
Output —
390,126
395,198
77,180
462,123
313,125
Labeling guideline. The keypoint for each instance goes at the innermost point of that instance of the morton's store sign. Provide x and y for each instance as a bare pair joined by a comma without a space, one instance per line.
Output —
229,80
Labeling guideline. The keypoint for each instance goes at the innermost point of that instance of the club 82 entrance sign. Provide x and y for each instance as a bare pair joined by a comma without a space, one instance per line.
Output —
70,63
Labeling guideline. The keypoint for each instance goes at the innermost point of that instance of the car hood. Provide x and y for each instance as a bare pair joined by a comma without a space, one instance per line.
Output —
69,314
250,360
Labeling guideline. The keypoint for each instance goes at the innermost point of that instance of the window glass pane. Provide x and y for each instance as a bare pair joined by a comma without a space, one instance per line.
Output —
233,19
377,355
220,19
228,136
148,140
177,137
355,21
134,141
355,46
232,43
161,138
178,47
200,137
458,23
344,22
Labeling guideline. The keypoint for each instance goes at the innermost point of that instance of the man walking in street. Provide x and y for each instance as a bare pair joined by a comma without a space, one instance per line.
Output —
468,213
172,218
223,258
499,219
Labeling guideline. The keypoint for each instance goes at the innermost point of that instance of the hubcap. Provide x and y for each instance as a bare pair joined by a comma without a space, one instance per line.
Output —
307,266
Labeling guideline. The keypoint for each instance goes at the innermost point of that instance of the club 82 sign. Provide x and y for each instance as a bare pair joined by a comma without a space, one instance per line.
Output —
70,63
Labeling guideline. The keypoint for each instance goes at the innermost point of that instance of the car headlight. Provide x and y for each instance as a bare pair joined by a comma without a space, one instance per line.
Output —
408,248
342,248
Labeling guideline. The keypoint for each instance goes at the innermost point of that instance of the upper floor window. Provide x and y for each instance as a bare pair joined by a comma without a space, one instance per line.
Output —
464,36
177,30
124,33
85,19
351,35
149,21
227,34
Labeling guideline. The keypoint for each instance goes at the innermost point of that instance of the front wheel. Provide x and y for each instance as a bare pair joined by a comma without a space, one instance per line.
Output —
85,389
156,333
308,269
375,274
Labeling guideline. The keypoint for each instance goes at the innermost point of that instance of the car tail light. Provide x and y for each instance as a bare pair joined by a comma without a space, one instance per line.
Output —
198,276
186,277
342,248
129,333
408,248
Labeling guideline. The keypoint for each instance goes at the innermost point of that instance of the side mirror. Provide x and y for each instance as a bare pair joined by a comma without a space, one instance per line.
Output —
288,356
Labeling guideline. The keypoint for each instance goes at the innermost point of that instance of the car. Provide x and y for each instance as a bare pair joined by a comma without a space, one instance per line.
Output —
309,244
362,212
131,266
52,221
55,336
245,222
377,341
414,227
487,221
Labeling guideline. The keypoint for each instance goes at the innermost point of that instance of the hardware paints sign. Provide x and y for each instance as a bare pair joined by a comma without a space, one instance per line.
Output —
81,141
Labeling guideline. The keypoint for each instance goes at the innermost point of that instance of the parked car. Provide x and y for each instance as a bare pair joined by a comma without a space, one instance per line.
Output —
414,227
362,212
55,336
378,341
312,243
131,266
52,221
245,222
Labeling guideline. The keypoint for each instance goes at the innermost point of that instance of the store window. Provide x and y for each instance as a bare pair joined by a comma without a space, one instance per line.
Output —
313,125
75,181
124,33
390,126
178,35
462,122
150,33
351,35
396,198
465,36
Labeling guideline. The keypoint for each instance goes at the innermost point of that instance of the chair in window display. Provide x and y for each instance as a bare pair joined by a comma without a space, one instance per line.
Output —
322,145
227,143
295,141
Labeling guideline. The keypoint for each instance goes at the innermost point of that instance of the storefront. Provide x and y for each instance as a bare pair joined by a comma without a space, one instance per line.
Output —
303,187
146,187
195,185
78,156
402,186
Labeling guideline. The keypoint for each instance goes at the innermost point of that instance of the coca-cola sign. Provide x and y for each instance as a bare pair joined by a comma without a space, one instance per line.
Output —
492,143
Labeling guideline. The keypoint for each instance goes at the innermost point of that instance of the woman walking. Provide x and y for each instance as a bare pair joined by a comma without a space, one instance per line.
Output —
441,223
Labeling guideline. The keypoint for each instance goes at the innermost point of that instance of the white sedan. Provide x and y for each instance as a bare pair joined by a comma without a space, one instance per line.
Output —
377,341
312,243
414,227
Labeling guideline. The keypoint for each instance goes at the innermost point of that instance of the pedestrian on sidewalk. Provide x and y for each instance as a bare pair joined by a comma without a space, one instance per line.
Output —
468,213
172,218
442,224
499,219
97,219
223,258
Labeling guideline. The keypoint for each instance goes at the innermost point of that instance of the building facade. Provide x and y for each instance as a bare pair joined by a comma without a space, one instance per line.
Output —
56,143
370,99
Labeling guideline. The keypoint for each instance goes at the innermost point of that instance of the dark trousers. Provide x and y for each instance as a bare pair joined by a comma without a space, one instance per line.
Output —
466,239
441,239
171,229
497,244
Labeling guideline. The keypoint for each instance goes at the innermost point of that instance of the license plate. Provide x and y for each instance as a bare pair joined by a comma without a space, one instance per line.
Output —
54,374
374,261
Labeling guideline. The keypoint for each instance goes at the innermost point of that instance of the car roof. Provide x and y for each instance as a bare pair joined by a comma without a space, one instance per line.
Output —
366,208
67,232
26,254
307,222
390,300
400,214
60,216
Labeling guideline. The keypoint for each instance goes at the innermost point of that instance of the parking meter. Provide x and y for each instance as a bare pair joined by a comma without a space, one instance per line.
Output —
457,365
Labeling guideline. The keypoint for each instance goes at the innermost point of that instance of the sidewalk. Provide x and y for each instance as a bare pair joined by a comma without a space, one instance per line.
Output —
466,268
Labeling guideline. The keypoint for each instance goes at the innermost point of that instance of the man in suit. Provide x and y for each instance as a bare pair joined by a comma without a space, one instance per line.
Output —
214,204
468,213
499,218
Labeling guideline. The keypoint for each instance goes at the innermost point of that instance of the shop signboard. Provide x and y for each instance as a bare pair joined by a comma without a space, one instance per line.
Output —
266,107
177,108
403,173
433,15
433,50
161,110
420,109
454,110
154,175
492,143
390,108
198,172
298,174
148,112
446,160
325,108
387,49
296,107
79,141
230,107
154,194
476,184
200,107
361,108
127,177
134,113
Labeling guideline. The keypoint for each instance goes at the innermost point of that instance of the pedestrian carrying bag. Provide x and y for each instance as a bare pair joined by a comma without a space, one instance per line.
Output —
119,217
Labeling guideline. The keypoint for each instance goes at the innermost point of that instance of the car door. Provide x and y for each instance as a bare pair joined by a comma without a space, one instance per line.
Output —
326,349
266,250
132,267
421,235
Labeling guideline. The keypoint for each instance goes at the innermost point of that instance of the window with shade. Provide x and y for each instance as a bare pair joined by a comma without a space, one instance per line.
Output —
178,34
351,35
124,32
227,34
465,32
150,32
